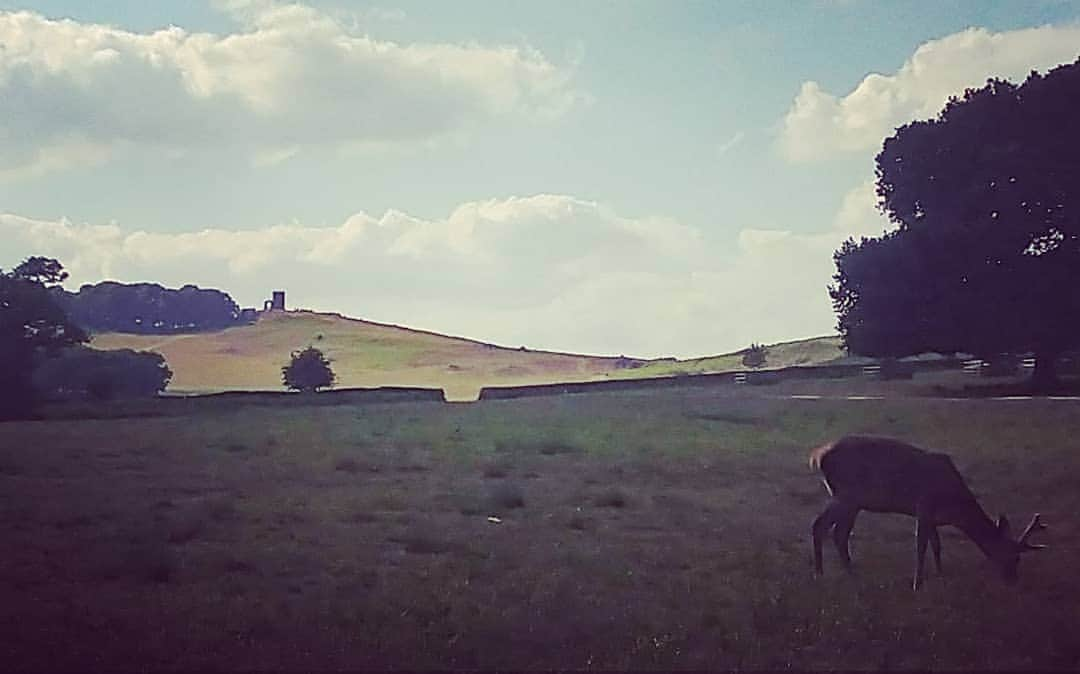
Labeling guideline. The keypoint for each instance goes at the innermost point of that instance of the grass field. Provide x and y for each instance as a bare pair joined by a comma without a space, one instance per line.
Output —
368,354
638,530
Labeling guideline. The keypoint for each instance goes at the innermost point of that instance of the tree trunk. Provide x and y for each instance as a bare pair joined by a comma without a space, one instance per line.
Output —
1044,379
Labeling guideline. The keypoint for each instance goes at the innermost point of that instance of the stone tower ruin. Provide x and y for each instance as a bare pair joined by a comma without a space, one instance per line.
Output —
275,303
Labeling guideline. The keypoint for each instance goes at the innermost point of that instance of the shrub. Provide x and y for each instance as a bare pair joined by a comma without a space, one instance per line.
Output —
308,371
82,372
755,356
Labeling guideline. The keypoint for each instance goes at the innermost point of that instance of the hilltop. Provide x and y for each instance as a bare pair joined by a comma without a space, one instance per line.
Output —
370,354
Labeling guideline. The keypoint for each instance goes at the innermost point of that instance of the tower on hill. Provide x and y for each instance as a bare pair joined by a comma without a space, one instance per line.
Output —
275,303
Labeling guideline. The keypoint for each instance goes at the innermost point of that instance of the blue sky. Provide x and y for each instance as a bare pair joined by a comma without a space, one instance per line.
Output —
649,178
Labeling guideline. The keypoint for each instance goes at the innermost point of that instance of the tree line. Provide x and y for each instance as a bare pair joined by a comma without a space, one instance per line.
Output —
41,356
147,308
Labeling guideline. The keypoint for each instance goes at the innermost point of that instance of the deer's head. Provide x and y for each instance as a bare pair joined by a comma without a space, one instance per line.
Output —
1006,552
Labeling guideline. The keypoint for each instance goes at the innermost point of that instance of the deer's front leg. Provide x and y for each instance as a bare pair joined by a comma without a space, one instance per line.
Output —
842,533
935,547
821,526
923,526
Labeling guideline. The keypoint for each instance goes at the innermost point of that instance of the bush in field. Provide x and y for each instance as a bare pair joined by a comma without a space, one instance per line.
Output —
308,371
755,356
102,375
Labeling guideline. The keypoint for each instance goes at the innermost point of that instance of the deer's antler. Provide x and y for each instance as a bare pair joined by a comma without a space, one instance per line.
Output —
1035,525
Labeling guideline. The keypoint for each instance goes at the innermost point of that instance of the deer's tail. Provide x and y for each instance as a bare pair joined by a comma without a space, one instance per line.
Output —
818,453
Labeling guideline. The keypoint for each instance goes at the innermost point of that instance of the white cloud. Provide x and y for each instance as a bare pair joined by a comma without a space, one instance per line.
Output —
782,275
71,93
546,271
466,273
821,125
859,216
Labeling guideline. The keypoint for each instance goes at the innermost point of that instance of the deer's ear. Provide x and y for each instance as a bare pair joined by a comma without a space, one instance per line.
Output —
1003,524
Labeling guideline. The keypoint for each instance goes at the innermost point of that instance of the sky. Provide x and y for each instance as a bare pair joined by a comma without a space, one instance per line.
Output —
611,177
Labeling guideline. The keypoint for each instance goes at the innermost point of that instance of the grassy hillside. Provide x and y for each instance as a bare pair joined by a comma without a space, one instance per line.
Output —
813,351
374,354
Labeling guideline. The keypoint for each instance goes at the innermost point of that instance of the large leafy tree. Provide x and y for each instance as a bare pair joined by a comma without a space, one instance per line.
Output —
986,255
30,322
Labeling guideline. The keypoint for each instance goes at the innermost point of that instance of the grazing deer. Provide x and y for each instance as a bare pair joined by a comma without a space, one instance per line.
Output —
889,476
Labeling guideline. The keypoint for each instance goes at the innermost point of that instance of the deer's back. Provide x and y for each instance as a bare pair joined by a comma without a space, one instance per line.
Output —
886,475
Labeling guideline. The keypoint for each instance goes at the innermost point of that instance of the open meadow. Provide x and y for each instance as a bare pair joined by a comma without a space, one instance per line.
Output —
661,529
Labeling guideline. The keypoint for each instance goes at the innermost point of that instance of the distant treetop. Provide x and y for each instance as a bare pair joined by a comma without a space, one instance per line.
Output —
148,308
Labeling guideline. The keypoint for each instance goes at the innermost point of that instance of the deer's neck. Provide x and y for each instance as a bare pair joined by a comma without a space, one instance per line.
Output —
981,529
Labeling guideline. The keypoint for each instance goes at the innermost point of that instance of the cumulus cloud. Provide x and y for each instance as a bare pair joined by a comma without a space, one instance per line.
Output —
482,270
822,125
787,272
546,271
73,93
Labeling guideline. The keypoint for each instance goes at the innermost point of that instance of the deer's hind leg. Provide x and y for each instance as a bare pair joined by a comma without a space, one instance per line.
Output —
845,521
924,525
825,521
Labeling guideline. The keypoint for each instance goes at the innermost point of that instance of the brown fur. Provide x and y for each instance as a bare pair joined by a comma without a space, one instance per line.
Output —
884,475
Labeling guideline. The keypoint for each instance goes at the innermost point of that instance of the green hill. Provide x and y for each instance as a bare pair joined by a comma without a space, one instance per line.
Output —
812,351
374,354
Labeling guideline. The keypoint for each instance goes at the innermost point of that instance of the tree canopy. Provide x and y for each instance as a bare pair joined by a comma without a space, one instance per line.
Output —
83,372
30,322
148,308
308,371
43,270
986,255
